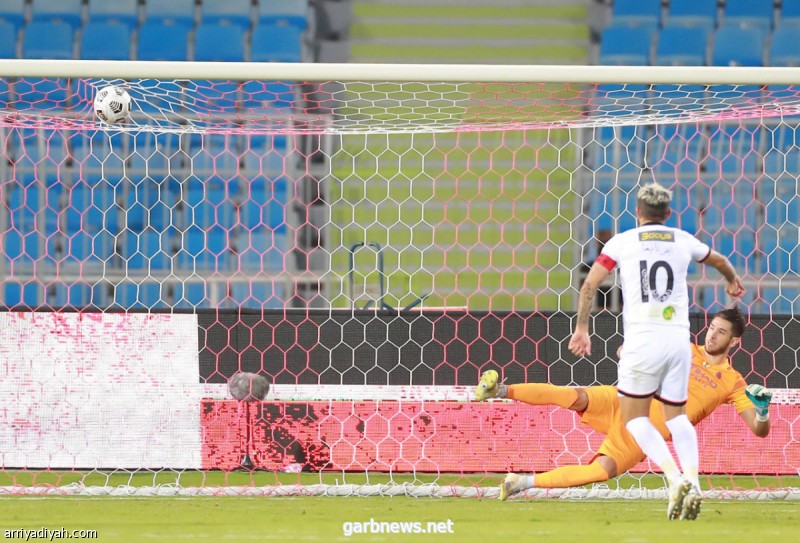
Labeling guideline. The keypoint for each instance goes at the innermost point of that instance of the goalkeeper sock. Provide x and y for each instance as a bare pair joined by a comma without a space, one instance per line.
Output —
654,446
684,439
569,476
543,394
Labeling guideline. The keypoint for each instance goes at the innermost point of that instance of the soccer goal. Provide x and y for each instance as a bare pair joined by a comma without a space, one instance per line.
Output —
369,239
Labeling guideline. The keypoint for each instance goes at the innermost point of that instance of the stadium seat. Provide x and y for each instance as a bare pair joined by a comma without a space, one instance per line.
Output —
749,13
67,11
149,204
160,40
149,249
13,13
790,12
105,41
146,295
284,12
735,149
219,43
26,294
734,45
637,12
626,45
48,40
258,295
264,204
190,295
682,46
173,12
125,12
8,40
235,12
693,13
205,249
261,249
72,295
785,47
780,301
276,43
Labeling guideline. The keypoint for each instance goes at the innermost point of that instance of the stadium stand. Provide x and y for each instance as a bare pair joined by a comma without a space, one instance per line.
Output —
693,13
124,12
106,40
13,13
66,11
230,12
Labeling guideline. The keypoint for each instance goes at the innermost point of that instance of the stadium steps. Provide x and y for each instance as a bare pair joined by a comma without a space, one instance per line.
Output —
470,31
448,227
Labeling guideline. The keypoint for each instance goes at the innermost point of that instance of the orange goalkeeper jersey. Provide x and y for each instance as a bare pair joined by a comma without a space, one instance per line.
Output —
710,385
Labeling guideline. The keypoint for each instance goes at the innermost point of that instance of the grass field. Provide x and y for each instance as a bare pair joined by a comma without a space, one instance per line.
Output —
322,519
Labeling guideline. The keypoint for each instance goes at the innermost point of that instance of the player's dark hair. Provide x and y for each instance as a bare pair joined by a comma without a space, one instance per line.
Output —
734,316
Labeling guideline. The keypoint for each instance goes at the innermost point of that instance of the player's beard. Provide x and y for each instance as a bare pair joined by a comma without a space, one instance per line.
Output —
720,349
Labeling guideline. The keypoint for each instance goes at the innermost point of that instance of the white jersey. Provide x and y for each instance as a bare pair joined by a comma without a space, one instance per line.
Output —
653,264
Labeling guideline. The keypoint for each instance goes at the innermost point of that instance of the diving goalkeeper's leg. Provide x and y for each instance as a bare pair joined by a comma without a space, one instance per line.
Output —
601,469
531,393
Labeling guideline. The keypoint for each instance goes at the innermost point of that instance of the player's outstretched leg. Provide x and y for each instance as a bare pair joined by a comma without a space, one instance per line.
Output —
691,504
678,491
488,387
512,484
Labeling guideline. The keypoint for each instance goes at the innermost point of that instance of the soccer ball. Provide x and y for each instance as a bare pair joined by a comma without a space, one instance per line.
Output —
112,104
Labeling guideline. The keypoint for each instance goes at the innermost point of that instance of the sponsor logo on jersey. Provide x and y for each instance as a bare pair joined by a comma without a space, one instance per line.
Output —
657,235
668,313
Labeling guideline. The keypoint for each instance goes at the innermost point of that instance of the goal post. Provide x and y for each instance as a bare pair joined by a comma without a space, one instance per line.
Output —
369,238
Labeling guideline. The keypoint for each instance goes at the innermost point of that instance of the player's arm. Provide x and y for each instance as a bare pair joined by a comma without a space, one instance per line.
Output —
580,344
757,417
724,266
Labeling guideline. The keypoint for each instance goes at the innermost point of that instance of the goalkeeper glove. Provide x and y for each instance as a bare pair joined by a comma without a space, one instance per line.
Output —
760,396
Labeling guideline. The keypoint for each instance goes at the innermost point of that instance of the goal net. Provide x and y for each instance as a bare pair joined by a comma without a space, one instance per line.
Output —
369,239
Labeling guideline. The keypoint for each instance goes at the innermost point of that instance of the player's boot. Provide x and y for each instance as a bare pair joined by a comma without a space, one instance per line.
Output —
677,494
487,388
510,486
691,504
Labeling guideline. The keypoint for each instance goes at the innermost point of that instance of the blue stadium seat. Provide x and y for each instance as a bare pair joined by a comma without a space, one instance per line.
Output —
738,46
48,40
23,294
105,41
750,13
153,153
8,41
146,295
124,12
276,43
210,203
41,93
163,41
71,295
258,295
13,13
626,45
67,11
205,249
735,149
268,94
149,204
191,295
264,204
693,13
149,249
790,12
236,12
637,12
261,249
284,12
175,11
781,301
682,46
219,42
785,46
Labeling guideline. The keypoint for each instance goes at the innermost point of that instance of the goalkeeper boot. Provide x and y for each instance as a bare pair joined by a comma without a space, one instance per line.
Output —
677,494
691,504
488,387
512,484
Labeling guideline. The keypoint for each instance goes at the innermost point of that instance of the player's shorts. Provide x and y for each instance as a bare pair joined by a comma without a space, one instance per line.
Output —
656,360
603,415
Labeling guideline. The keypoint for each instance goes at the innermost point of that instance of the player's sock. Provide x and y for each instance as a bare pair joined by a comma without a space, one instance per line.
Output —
684,439
653,445
569,476
543,394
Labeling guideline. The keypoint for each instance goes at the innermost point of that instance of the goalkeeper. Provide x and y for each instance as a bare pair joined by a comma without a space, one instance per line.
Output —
712,382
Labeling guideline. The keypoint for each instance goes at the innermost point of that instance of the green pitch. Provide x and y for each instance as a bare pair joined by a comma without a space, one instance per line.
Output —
322,519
